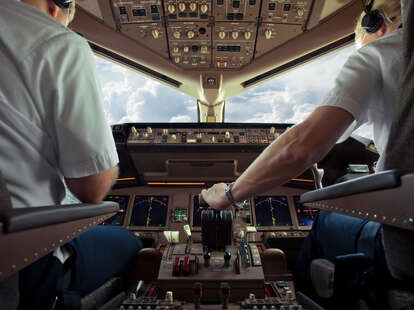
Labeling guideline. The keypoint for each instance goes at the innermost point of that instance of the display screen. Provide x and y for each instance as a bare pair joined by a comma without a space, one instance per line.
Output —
150,211
197,212
306,215
180,215
272,211
118,218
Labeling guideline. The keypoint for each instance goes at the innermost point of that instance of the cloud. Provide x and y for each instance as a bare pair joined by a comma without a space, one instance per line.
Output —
181,119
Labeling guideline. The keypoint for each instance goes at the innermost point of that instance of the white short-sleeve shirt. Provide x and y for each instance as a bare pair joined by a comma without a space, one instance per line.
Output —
368,86
52,121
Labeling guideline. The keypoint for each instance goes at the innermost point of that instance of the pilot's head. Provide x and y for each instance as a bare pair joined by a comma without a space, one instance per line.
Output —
390,11
62,15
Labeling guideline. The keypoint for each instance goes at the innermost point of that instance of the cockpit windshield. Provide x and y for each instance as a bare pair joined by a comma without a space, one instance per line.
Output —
288,98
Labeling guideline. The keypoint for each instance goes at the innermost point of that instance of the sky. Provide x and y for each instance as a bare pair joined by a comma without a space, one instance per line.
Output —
289,98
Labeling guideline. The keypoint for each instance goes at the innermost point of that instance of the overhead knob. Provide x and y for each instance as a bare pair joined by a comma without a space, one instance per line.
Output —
204,49
181,7
190,34
213,139
171,8
174,137
134,131
177,60
222,35
155,33
218,64
268,33
300,12
149,130
272,130
177,34
235,35
176,49
204,8
247,35
225,64
186,49
227,135
165,132
193,6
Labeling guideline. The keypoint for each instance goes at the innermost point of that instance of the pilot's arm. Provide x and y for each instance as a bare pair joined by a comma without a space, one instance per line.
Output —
294,152
85,148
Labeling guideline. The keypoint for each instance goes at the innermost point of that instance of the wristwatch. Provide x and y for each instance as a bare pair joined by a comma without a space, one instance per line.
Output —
229,197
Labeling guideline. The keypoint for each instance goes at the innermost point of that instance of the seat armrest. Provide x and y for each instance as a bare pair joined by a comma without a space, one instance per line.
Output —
375,182
20,219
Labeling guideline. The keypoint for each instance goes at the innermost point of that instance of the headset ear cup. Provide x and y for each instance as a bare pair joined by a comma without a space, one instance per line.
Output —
63,4
372,21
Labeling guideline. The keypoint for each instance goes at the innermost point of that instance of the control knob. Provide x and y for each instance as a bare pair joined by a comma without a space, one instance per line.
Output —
272,130
171,8
149,130
204,49
181,7
247,35
177,60
204,8
190,34
177,34
193,6
176,49
300,12
235,35
155,33
174,137
186,49
222,35
134,131
268,34
165,132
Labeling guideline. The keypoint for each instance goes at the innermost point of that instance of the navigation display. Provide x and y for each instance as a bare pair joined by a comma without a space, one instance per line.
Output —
306,215
272,211
149,211
118,218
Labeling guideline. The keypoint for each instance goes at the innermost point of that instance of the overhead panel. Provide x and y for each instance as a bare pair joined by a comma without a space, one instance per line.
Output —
285,11
142,21
233,44
91,6
211,34
271,35
190,44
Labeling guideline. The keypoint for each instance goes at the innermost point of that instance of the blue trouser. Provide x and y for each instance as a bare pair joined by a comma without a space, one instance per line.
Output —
99,255
334,235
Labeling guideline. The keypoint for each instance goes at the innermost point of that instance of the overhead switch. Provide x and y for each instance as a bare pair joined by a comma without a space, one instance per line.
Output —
268,34
204,49
177,34
155,33
247,35
181,7
204,8
186,49
300,12
176,49
193,6
190,34
177,60
171,8
222,35
235,35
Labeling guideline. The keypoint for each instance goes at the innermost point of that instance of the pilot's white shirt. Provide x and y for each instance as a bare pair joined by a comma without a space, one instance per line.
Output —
368,86
52,121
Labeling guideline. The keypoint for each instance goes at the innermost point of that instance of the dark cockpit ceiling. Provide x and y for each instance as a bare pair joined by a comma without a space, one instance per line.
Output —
215,49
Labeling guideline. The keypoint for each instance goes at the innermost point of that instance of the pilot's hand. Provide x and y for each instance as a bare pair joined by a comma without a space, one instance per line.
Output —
215,197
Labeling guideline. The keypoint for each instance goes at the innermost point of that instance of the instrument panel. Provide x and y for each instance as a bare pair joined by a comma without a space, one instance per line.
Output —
148,211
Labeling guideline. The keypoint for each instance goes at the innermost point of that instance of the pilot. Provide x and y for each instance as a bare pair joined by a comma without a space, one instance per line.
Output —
54,132
365,91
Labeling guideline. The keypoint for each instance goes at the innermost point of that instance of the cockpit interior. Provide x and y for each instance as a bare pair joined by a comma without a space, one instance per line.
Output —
195,258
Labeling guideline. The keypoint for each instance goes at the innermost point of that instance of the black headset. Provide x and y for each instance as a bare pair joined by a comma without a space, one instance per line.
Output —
373,19
63,4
